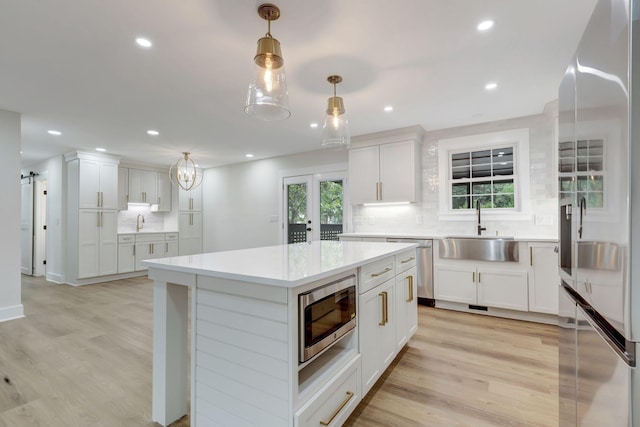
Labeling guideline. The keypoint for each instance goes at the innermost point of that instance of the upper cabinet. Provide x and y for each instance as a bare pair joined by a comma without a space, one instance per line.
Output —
143,186
123,188
164,192
385,167
97,183
190,200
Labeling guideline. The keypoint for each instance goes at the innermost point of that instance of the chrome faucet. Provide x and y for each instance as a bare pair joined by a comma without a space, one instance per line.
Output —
480,227
139,224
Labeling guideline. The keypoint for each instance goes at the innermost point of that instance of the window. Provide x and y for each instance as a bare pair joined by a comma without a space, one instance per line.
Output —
484,176
581,171
489,168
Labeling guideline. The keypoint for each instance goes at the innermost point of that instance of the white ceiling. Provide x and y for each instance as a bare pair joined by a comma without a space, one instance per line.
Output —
73,66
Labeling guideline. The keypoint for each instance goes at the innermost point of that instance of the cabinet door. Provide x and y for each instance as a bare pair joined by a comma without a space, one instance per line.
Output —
144,251
123,188
364,166
150,187
455,284
88,184
164,193
406,295
190,228
195,244
108,186
88,243
398,172
190,200
377,332
135,186
126,257
108,250
171,248
503,289
543,278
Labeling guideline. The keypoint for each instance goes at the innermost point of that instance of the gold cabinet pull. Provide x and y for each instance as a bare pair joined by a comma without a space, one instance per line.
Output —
473,276
381,198
134,250
407,260
335,413
410,281
166,248
386,270
385,308
530,256
478,277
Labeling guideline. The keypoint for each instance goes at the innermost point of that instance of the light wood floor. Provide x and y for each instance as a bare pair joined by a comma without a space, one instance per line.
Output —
82,357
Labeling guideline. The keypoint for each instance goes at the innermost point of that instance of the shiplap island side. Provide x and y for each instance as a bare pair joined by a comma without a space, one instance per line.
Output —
244,332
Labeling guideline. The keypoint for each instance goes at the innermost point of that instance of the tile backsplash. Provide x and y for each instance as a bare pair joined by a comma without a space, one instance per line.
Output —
153,221
424,218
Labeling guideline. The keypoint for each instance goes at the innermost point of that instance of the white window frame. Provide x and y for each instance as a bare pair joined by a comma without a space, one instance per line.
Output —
519,140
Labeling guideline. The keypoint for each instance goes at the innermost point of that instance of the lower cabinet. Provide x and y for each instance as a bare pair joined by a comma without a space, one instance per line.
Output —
377,332
543,277
134,248
98,242
484,286
406,296
332,405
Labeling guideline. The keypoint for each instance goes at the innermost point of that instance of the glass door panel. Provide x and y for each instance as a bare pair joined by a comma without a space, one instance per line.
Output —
298,209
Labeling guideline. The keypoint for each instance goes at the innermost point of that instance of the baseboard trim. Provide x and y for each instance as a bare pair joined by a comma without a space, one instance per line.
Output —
11,313
527,316
109,278
55,278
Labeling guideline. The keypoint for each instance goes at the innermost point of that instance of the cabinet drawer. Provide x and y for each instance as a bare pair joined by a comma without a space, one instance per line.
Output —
371,275
170,236
405,260
332,405
126,238
150,237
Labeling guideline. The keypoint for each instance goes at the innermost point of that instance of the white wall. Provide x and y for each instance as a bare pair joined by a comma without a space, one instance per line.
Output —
54,169
10,286
423,218
241,202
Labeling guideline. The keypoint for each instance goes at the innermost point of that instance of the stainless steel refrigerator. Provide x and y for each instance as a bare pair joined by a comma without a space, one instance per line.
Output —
599,222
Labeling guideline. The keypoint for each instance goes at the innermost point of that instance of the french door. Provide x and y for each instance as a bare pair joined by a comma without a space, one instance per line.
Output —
314,207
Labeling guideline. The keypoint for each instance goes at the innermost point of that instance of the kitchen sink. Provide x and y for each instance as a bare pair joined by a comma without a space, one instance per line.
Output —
480,248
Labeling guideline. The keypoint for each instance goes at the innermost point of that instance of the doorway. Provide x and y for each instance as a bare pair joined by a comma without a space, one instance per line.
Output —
33,226
314,206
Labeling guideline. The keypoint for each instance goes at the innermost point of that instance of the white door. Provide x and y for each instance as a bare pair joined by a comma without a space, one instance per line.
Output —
314,207
26,227
40,228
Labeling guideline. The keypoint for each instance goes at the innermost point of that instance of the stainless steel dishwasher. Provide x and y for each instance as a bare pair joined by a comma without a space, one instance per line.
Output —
424,268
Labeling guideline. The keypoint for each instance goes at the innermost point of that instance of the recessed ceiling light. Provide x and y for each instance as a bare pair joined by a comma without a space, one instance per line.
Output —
491,86
54,132
101,149
143,42
153,132
313,125
485,25
248,155
388,108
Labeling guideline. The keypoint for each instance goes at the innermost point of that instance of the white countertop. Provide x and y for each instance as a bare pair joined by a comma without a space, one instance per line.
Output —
283,265
436,237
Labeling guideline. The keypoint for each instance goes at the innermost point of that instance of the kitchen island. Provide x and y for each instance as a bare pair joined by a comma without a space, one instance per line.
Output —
244,333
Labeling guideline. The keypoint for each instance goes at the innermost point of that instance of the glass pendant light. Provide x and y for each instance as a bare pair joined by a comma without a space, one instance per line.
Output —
184,173
267,97
335,132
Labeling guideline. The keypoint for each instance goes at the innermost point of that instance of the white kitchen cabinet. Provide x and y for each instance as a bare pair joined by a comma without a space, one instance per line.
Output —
190,228
406,296
126,253
164,192
171,244
190,200
468,283
149,246
123,188
97,184
97,243
377,332
543,277
143,186
385,173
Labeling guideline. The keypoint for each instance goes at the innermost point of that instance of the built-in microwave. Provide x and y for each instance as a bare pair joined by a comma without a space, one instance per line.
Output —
326,314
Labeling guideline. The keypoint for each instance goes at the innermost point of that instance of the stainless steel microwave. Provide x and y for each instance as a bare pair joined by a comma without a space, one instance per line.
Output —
326,314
